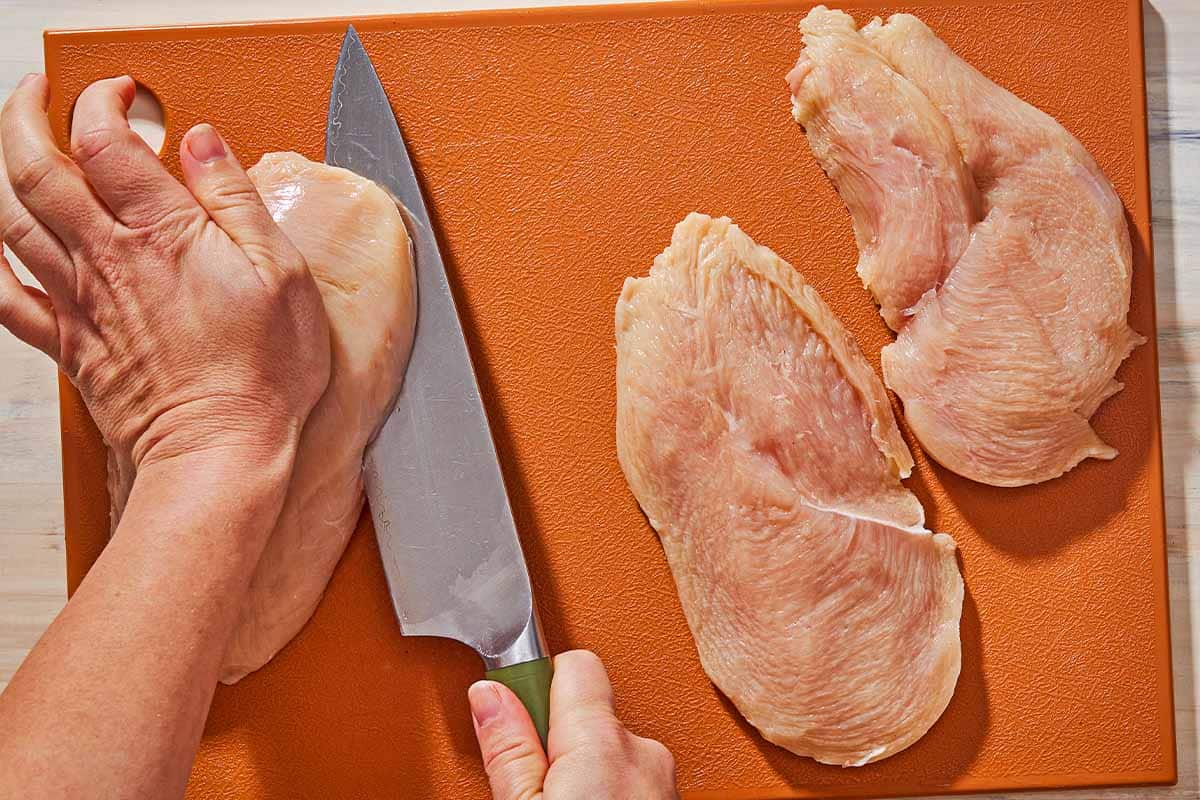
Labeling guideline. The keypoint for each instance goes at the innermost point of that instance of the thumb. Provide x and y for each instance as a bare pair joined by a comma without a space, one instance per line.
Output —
220,185
512,753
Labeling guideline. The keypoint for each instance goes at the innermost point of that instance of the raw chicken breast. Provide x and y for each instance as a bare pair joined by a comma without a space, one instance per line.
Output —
353,236
763,450
892,158
1005,360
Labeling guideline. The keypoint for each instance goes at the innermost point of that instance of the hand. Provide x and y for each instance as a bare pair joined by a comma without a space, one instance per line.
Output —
184,316
591,754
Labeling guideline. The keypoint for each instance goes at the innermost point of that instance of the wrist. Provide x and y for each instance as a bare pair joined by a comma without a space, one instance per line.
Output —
217,451
219,431
230,471
229,465
232,493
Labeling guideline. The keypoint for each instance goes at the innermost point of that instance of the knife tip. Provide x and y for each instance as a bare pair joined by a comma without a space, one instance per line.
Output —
350,43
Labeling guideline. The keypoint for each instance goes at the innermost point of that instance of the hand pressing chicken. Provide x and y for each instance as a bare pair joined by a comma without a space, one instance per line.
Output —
184,316
197,337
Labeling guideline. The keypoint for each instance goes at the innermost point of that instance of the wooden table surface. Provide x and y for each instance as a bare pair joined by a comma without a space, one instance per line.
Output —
32,579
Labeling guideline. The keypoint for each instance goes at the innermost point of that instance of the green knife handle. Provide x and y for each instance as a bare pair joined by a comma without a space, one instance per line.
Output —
530,681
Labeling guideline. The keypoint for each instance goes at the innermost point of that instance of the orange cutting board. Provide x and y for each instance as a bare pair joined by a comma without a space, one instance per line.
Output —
557,148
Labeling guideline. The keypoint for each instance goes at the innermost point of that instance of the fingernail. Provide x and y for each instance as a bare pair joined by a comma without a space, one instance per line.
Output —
30,76
485,702
205,144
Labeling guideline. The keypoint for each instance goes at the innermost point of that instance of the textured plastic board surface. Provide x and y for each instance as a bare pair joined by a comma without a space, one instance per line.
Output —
558,148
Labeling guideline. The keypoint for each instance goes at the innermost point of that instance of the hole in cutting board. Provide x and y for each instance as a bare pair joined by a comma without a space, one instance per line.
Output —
146,118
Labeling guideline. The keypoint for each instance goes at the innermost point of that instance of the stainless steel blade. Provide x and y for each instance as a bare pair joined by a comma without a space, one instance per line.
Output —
442,516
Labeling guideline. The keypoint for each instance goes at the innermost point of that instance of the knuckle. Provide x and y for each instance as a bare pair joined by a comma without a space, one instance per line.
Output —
94,143
104,252
16,225
507,753
30,176
290,271
170,232
659,755
607,735
232,193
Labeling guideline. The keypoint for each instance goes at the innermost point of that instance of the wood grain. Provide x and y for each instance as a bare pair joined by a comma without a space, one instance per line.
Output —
30,496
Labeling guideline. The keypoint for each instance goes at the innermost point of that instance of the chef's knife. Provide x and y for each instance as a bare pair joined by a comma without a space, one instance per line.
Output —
442,517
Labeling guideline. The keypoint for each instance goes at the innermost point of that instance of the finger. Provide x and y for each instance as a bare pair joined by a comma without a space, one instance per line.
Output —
39,249
47,182
512,753
122,169
580,684
27,312
221,186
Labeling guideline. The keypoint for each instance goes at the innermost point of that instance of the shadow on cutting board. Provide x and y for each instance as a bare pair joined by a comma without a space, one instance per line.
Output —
1038,520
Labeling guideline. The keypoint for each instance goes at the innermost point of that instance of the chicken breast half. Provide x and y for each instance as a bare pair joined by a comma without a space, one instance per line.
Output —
892,158
353,236
1009,339
763,450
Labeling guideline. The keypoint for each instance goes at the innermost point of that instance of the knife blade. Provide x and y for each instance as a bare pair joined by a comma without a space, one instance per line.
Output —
442,516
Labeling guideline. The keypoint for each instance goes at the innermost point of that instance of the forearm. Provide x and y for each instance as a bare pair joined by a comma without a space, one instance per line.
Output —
112,700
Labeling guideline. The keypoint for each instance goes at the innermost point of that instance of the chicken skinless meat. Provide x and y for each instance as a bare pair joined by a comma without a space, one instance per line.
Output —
1004,357
353,236
764,452
891,156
